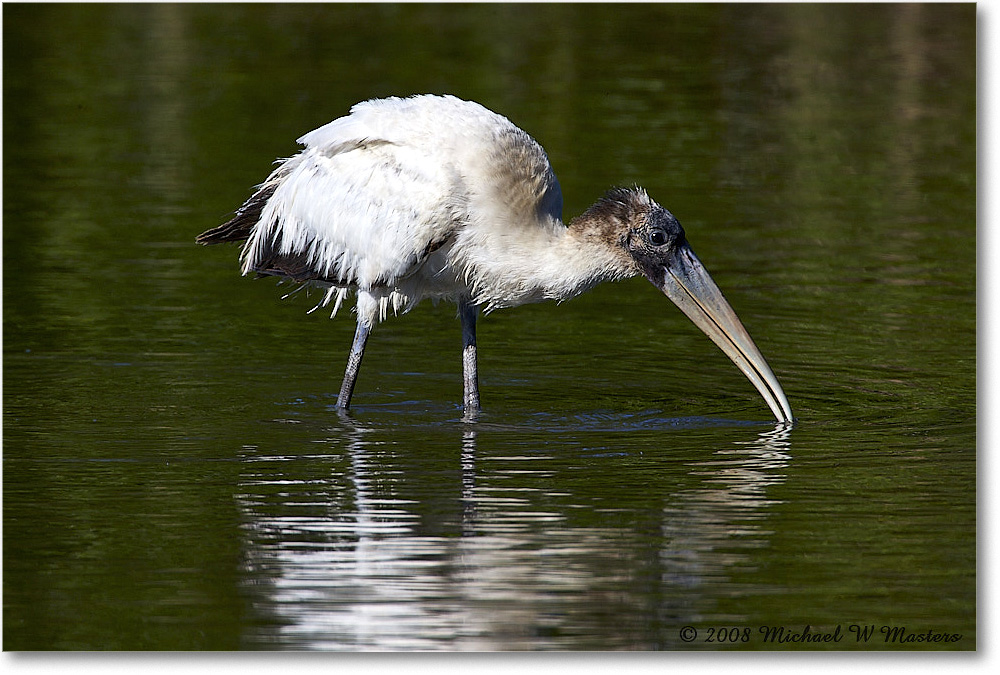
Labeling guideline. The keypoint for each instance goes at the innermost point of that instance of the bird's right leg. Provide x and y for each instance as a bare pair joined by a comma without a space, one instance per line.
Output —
470,372
353,364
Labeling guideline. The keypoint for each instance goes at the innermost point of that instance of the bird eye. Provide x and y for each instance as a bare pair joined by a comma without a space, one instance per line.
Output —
657,237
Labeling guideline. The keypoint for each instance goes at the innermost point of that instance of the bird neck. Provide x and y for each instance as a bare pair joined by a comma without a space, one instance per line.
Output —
547,262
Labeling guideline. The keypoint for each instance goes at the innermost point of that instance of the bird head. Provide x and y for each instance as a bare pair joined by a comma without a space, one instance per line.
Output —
654,242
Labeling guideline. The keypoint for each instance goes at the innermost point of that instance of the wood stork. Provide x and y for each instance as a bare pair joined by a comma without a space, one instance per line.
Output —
435,197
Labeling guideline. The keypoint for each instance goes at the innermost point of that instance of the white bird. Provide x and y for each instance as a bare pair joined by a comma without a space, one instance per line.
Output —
435,197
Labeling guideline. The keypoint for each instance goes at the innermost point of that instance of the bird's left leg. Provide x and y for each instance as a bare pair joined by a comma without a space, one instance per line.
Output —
353,364
467,312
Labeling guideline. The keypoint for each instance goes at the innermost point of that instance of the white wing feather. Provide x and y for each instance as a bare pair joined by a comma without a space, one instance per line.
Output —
361,208
412,198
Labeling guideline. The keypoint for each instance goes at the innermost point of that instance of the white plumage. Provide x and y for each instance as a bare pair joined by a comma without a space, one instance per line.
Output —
435,197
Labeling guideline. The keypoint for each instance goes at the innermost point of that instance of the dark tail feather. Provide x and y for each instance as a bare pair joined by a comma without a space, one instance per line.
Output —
239,226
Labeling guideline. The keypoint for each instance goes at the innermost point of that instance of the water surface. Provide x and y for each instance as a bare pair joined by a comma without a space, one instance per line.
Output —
175,476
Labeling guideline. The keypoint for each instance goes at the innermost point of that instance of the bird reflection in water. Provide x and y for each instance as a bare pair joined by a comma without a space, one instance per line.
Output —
350,562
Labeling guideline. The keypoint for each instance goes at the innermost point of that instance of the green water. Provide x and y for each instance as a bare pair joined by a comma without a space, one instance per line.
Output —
175,476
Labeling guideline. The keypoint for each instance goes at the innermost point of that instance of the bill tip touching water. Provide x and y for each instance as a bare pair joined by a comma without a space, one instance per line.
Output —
435,197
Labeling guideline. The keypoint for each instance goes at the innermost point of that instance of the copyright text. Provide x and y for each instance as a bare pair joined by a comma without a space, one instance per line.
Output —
851,634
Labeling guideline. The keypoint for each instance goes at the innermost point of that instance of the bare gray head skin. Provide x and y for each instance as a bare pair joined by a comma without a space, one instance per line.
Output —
652,241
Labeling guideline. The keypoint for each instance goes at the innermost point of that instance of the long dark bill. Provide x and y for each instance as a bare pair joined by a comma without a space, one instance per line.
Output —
688,284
